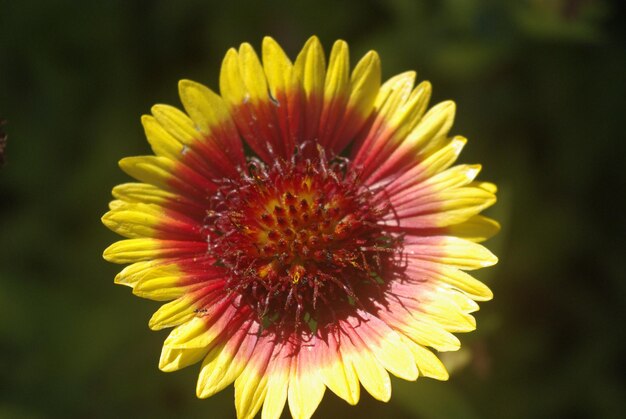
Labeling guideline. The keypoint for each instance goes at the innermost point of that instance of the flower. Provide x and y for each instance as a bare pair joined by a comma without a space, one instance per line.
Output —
307,228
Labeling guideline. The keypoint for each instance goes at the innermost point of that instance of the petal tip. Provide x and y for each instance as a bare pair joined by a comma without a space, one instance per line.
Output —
313,39
268,41
155,322
110,253
184,84
448,106
109,221
490,260
487,295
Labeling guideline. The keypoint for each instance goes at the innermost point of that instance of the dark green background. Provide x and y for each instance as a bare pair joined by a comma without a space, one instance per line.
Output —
540,87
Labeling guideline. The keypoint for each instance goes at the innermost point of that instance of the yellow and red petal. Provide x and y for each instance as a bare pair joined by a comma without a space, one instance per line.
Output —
386,345
477,228
286,93
428,136
306,386
449,251
200,151
227,359
338,376
427,362
279,373
136,220
191,341
364,86
145,249
450,277
170,175
251,384
433,164
310,67
370,371
211,118
244,88
149,194
336,92
397,110
423,209
162,282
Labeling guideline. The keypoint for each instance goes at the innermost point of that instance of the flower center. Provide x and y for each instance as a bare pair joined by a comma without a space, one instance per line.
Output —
299,235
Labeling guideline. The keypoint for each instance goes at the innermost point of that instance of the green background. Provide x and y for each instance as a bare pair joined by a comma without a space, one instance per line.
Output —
540,87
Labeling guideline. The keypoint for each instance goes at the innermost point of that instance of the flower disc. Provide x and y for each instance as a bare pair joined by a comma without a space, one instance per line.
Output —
299,233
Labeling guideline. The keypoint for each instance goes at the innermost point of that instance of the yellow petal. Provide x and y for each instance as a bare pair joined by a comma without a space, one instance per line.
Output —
338,375
163,144
462,301
429,365
465,254
453,277
416,105
224,363
394,92
152,279
455,177
477,228
397,112
144,193
450,179
134,220
133,250
460,204
433,164
176,123
277,385
394,356
173,313
161,288
402,117
232,86
365,84
175,359
251,386
205,107
405,115
306,388
150,169
131,274
252,73
442,208
310,66
427,332
137,250
444,310
278,68
433,127
336,85
486,186
186,345
371,373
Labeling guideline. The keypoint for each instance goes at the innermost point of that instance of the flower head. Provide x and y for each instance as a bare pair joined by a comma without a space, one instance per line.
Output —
307,228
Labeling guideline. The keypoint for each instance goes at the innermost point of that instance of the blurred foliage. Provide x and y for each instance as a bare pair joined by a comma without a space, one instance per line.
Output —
540,88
